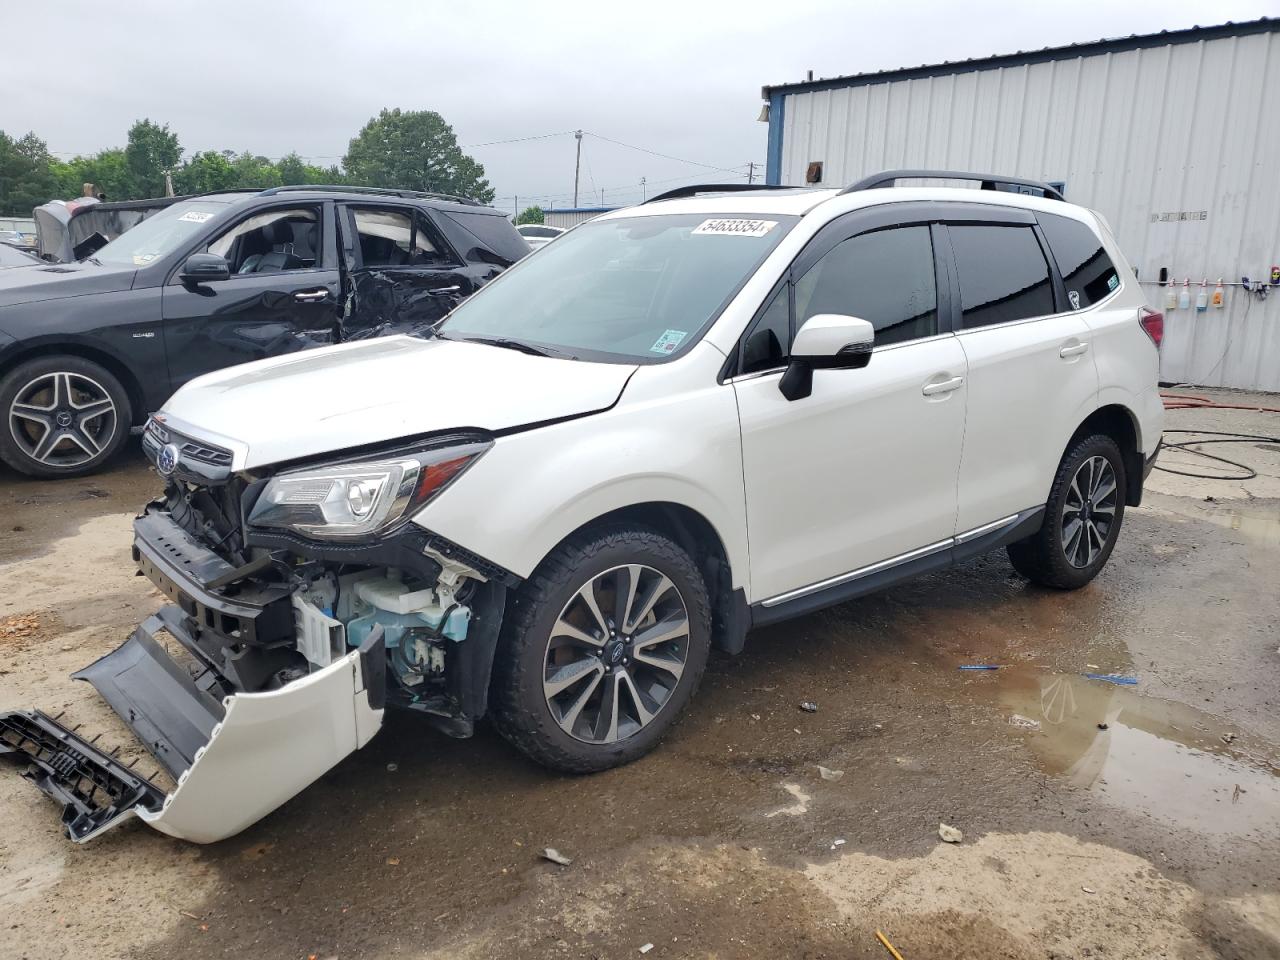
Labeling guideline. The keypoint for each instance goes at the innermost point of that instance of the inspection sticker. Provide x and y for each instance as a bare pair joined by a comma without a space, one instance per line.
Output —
736,227
668,342
196,216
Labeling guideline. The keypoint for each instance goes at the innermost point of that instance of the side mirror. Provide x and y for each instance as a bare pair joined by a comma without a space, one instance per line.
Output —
204,268
827,341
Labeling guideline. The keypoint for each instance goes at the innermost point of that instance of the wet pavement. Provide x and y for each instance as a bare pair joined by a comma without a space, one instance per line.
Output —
1100,819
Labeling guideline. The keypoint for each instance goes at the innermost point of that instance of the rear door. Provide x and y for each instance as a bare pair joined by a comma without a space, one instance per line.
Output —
1032,376
402,276
863,470
282,295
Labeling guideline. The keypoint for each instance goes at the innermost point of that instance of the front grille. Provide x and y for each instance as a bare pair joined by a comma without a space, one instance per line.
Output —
189,448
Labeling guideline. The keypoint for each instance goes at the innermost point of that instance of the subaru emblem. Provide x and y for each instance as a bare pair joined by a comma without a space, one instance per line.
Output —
167,461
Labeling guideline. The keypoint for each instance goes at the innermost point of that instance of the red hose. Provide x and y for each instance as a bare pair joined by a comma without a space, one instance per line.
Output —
1183,401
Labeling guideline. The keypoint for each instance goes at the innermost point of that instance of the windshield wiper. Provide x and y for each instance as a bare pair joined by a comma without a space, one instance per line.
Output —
510,345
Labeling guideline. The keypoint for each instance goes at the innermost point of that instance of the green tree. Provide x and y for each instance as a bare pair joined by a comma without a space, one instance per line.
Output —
204,172
152,149
293,169
27,178
107,170
252,170
415,150
532,214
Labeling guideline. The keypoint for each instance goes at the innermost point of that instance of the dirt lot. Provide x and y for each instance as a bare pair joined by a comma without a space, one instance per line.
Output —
1158,836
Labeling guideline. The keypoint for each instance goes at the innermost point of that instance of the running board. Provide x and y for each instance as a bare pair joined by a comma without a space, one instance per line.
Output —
95,791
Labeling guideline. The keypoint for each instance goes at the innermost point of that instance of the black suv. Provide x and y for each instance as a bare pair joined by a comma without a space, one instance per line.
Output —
88,348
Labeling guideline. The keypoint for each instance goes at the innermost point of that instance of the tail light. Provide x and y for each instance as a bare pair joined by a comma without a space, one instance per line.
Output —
1153,323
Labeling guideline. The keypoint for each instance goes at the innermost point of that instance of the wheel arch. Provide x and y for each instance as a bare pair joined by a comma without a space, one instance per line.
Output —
109,362
698,537
1120,424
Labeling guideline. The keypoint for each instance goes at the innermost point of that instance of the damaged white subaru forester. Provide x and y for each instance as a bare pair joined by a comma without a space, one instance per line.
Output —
713,411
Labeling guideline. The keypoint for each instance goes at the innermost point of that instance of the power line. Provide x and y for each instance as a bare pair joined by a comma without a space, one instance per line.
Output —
664,156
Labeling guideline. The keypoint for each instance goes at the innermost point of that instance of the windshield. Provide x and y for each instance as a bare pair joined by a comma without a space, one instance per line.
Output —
639,288
160,234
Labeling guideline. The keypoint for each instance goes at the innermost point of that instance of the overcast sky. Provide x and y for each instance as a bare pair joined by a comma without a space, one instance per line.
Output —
676,78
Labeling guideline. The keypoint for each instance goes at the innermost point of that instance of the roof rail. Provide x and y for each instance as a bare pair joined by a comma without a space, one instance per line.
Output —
990,181
375,191
694,190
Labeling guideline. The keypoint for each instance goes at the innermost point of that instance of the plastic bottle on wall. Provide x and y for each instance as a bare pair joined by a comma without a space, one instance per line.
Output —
1171,295
1218,296
1202,298
1184,295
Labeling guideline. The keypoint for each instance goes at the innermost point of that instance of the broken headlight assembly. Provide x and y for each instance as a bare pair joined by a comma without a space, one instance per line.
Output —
360,497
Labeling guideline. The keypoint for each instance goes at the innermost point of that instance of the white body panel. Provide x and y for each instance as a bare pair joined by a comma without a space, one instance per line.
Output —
368,391
862,470
268,748
1025,398
673,438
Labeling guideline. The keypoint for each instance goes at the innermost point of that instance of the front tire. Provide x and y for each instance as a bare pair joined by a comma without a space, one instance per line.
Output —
64,416
1082,518
602,649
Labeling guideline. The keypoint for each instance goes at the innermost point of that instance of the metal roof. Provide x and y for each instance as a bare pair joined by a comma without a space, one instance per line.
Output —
1071,51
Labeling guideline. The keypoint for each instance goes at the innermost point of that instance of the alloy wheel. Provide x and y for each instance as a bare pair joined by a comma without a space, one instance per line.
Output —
615,654
62,419
1089,511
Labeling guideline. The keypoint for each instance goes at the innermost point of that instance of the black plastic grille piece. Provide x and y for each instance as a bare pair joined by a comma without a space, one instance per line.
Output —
93,788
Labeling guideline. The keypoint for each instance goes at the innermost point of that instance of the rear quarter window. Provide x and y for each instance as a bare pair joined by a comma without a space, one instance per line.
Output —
1087,272
483,237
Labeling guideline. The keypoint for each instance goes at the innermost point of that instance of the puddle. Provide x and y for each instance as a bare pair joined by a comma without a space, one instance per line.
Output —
1259,525
1164,759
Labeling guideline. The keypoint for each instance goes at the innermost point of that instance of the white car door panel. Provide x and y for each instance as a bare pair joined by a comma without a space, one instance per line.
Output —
861,471
1032,376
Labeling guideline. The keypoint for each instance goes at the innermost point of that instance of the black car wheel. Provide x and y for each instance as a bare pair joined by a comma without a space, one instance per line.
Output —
1082,518
603,647
64,417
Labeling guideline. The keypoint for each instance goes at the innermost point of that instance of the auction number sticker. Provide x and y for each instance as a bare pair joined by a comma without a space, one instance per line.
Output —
668,342
196,216
736,227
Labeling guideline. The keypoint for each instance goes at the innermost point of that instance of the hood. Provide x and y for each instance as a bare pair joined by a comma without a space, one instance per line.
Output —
329,399
53,280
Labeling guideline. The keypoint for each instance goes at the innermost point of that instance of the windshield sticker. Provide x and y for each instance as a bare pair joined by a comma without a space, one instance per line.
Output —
668,342
196,216
142,259
735,227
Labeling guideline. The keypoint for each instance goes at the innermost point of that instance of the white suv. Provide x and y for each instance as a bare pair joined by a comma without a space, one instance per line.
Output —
679,421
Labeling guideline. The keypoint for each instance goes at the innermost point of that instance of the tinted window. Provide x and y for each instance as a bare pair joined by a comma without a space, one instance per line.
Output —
1003,274
530,230
884,277
397,238
766,346
484,237
272,241
1087,271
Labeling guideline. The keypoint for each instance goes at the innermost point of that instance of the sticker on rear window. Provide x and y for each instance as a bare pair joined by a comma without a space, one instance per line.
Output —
736,227
196,216
1112,282
668,342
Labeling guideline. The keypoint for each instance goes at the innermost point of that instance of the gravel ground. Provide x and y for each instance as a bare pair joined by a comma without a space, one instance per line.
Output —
1158,836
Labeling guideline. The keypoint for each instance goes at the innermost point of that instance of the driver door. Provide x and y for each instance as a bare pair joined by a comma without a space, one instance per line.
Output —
861,474
282,295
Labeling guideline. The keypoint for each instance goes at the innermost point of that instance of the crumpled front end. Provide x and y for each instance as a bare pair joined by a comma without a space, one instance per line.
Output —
276,659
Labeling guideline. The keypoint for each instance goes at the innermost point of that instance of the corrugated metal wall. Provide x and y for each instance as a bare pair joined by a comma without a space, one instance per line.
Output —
1150,138
572,217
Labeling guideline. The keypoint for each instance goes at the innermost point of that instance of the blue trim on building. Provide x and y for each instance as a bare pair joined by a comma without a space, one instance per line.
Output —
1024,58
773,158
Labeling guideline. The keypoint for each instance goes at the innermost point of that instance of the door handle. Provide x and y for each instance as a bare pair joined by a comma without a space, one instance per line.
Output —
441,291
942,386
1075,350
311,296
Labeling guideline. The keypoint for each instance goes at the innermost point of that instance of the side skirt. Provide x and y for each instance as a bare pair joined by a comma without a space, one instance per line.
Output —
880,576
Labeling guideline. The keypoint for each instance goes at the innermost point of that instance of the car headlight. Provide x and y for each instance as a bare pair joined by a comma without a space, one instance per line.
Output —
361,497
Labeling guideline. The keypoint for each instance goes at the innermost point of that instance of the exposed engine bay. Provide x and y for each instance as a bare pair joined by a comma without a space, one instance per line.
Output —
277,657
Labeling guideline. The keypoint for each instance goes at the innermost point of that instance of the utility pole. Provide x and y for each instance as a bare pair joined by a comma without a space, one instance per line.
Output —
751,171
602,196
516,216
168,183
577,165
642,197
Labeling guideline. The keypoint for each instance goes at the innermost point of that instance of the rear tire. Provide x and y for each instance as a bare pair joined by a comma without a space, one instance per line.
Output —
584,680
1082,518
64,416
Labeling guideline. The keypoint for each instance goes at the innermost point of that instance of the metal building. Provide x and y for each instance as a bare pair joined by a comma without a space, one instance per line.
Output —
572,216
1173,137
